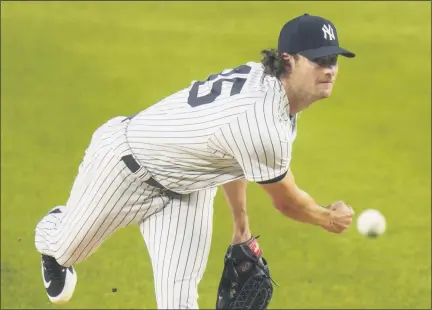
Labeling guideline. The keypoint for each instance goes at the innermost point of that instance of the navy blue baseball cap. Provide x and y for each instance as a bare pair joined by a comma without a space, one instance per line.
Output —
312,37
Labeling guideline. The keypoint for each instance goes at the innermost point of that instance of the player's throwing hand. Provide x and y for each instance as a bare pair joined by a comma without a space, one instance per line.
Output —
341,216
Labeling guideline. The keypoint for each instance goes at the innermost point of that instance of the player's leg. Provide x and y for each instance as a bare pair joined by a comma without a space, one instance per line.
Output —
98,206
105,197
178,240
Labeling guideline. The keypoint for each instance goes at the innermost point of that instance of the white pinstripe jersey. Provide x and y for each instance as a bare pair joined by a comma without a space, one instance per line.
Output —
231,126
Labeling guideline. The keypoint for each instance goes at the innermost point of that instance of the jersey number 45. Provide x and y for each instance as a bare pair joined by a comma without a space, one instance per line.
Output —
237,85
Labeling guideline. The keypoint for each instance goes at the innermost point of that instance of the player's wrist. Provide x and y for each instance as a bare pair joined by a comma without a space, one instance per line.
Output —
241,237
322,216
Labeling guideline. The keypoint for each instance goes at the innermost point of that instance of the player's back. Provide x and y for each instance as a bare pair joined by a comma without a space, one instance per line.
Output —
171,138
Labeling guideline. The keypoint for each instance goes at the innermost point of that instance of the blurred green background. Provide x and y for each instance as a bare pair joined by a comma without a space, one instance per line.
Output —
67,67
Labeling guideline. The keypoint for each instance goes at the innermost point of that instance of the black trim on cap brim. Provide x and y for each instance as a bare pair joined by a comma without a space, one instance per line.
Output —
326,51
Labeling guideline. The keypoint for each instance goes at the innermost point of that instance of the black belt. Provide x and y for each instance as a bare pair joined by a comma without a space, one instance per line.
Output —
133,166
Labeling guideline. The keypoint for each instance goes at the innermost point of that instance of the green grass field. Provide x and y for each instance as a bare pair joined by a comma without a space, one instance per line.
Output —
68,67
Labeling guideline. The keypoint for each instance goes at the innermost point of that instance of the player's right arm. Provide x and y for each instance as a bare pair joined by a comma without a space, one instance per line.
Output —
296,204
260,143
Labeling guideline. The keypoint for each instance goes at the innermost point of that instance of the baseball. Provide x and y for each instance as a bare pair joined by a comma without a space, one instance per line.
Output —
371,223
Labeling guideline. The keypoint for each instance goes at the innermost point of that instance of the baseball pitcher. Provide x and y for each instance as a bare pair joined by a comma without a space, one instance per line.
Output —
160,169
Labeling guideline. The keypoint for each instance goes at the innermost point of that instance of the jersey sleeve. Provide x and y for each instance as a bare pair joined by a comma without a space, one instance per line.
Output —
258,141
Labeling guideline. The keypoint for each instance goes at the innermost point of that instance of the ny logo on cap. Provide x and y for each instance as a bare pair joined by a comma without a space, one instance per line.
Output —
328,30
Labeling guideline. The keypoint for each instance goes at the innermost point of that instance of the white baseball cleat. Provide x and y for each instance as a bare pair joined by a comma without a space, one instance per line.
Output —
59,281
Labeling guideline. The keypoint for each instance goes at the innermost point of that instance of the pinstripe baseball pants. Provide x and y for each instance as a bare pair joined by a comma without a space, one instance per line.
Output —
106,196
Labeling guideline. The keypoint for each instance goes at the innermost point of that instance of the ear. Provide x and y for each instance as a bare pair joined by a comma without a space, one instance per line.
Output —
289,61
286,56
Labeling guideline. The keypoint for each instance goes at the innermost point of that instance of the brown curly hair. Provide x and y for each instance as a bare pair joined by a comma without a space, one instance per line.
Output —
274,64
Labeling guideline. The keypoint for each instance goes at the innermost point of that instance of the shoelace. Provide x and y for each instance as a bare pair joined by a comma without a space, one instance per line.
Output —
260,264
266,273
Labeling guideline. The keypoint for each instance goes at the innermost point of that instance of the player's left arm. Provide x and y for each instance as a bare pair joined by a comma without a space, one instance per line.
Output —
235,195
244,264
